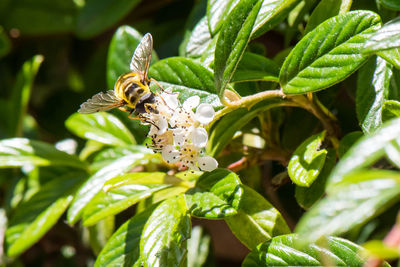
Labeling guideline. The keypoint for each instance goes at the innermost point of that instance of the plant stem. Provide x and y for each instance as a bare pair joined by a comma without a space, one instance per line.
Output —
248,102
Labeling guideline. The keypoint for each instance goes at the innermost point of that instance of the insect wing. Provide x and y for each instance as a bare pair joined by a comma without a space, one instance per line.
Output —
141,58
101,101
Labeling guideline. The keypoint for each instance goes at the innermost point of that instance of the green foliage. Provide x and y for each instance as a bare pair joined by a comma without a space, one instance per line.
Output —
286,250
307,161
305,132
329,53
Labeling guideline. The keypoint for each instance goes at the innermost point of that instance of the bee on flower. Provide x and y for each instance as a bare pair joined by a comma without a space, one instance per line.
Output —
178,132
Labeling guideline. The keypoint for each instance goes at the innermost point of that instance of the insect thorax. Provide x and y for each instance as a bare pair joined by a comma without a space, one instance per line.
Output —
129,88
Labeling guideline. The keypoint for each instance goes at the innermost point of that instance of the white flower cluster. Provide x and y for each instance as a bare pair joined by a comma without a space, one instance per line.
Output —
178,133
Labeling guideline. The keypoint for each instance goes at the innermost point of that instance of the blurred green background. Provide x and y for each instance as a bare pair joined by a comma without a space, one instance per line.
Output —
73,36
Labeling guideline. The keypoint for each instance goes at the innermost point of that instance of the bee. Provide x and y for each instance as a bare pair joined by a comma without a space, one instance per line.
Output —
131,91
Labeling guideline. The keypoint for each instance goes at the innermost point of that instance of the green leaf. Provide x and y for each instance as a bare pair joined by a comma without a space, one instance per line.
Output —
199,248
325,10
348,141
107,156
372,89
307,196
122,46
232,41
384,38
163,242
112,200
365,152
390,110
254,67
41,17
100,233
101,127
17,152
199,40
97,16
33,218
391,4
95,183
307,161
187,77
271,13
329,53
391,55
353,201
226,127
5,43
216,195
122,249
21,94
287,250
217,11
257,220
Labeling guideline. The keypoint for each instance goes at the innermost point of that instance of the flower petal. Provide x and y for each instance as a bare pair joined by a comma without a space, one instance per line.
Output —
191,102
170,154
199,137
207,163
205,113
179,136
170,99
162,125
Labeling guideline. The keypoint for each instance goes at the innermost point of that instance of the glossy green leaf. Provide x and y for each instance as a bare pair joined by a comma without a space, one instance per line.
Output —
354,200
391,4
5,43
329,53
37,215
254,67
21,94
365,152
271,13
42,17
226,127
232,41
384,38
216,195
120,52
199,39
145,178
16,152
307,196
217,11
199,248
107,156
307,161
372,89
257,220
348,141
187,77
391,55
101,127
122,249
163,242
115,200
390,110
325,10
95,183
286,250
97,16
160,195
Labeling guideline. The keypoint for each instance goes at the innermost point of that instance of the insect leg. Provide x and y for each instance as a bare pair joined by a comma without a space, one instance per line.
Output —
158,84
